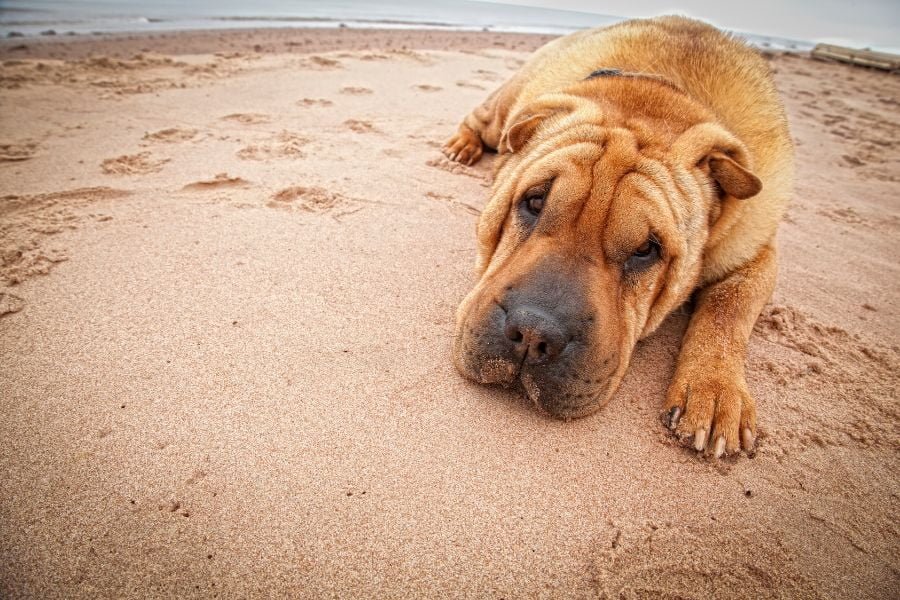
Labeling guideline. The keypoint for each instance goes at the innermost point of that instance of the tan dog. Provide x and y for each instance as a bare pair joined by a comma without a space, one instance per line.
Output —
639,164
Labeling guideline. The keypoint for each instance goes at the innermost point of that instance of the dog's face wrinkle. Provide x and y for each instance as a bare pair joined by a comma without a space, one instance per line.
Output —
583,229
513,181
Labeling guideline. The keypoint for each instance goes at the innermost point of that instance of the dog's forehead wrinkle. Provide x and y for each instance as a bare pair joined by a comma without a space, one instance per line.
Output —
606,180
545,162
654,193
583,199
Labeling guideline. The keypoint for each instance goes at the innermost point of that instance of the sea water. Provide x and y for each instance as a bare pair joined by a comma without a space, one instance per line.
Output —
36,17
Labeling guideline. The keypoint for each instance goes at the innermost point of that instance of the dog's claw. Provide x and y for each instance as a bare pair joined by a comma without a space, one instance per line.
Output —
700,440
720,447
674,415
748,441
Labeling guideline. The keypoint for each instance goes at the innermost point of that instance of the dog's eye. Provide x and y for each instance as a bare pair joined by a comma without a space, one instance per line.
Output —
644,256
535,204
533,201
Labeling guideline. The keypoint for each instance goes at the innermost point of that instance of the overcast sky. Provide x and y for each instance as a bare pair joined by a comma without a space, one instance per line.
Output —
873,23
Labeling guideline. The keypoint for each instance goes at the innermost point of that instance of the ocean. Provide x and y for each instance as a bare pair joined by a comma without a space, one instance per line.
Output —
71,17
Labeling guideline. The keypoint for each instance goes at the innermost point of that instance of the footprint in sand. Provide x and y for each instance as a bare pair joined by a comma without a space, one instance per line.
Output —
792,328
427,140
830,119
846,215
10,303
175,507
283,145
863,418
314,200
662,561
319,62
360,126
448,165
221,180
28,223
453,203
141,163
850,216
486,75
311,102
852,161
355,91
424,87
470,85
247,118
115,76
198,476
209,70
15,152
371,56
170,135
412,55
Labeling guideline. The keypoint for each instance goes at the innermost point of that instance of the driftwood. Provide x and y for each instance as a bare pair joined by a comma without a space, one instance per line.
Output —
863,58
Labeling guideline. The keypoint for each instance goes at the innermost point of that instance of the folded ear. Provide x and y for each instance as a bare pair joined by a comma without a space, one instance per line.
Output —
719,153
523,127
733,178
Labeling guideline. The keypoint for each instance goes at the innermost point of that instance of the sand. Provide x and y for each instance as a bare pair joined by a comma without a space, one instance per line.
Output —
229,275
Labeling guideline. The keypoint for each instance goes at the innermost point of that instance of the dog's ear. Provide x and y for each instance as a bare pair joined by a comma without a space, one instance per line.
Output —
722,156
523,127
732,177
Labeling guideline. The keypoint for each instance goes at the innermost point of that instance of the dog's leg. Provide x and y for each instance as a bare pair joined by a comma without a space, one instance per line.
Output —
708,405
481,127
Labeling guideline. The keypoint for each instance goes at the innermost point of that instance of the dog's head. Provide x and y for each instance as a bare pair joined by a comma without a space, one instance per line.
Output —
596,228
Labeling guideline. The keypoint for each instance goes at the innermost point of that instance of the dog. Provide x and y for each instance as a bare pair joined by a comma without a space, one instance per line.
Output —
639,166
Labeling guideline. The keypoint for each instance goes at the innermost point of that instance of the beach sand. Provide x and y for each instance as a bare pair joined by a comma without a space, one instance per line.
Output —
229,275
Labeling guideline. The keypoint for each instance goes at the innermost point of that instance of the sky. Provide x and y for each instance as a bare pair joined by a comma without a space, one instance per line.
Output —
874,23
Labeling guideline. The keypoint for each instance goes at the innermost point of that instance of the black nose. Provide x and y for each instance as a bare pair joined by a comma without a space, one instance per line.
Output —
536,335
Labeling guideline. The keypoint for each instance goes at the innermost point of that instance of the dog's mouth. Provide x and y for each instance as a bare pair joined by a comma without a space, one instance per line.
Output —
563,405
559,399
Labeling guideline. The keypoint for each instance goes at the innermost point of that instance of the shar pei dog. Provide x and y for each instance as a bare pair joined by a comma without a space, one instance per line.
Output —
640,166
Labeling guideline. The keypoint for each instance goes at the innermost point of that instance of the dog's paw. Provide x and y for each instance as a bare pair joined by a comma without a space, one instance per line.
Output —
713,412
464,147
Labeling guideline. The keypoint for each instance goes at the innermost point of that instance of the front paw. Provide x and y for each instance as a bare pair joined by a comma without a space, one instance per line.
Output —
464,147
712,411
